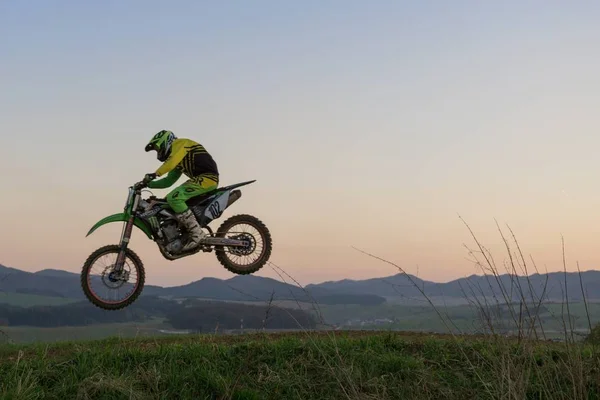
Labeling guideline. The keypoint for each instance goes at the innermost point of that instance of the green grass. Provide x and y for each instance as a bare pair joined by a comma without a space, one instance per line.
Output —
345,365
30,300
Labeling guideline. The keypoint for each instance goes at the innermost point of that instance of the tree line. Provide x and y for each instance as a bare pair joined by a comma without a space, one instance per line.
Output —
198,316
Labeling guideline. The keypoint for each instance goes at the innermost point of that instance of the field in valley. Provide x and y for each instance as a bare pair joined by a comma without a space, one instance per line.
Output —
385,317
32,334
30,300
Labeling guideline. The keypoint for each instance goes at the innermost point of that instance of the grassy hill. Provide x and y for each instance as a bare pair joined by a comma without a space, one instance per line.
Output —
349,365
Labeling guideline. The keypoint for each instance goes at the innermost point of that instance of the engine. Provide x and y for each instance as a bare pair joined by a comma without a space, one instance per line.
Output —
172,236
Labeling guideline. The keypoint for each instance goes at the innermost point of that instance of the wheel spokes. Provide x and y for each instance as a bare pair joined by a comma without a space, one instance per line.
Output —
117,287
245,256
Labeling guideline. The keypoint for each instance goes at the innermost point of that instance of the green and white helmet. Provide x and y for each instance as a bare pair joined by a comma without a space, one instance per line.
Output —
161,142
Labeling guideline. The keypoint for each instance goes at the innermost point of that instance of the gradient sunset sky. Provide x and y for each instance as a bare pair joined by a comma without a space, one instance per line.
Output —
368,124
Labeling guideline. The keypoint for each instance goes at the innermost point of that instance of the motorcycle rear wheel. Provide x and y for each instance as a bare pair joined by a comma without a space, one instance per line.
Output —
224,253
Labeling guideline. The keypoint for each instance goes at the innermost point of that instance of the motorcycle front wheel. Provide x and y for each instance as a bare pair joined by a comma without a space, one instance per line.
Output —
110,280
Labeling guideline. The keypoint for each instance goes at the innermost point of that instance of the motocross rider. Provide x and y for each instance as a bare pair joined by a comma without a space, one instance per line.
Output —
190,158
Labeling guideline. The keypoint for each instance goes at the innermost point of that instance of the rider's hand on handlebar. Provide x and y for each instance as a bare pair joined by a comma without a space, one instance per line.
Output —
149,177
144,182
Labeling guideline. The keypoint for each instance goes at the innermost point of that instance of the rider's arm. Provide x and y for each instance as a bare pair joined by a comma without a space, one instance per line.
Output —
167,181
179,151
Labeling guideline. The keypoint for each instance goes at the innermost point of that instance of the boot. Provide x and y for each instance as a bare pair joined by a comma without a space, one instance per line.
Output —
195,233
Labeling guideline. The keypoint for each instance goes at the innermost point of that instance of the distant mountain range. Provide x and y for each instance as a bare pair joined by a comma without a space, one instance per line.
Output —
58,283
551,285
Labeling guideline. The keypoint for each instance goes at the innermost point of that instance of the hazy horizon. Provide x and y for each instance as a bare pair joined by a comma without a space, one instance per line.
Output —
371,125
286,279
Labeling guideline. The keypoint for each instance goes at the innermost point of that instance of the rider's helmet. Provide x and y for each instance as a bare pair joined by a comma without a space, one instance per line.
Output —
161,142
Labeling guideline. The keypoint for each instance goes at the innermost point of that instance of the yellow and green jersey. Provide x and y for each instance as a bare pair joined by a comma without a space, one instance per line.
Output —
187,157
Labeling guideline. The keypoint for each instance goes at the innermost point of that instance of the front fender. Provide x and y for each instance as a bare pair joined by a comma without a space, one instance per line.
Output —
121,217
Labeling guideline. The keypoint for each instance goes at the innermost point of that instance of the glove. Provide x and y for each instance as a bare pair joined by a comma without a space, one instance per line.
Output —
149,178
144,182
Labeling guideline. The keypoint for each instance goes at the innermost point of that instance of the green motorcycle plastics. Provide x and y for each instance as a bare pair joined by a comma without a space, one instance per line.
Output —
160,224
122,217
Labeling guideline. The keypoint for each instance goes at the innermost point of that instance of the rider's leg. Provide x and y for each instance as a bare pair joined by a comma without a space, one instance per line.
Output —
177,200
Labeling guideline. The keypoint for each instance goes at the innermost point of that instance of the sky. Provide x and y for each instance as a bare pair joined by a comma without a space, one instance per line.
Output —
366,124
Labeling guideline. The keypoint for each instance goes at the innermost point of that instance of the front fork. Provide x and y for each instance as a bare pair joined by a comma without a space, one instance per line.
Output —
126,233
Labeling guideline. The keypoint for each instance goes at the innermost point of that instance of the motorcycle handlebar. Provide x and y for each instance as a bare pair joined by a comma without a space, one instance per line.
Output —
139,185
144,183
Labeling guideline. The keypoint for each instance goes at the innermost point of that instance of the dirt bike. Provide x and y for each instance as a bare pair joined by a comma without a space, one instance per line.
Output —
157,220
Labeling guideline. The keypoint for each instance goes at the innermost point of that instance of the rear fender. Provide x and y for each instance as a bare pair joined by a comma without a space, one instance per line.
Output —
122,217
219,204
